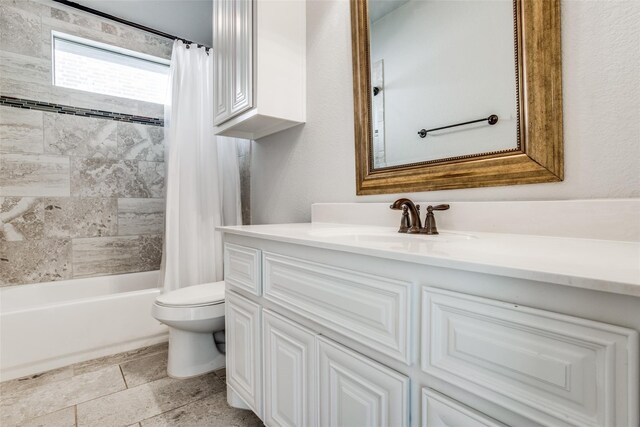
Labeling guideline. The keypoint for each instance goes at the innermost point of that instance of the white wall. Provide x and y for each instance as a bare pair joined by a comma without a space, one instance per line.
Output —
601,63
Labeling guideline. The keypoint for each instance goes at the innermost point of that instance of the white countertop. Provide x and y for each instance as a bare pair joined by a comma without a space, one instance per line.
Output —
603,265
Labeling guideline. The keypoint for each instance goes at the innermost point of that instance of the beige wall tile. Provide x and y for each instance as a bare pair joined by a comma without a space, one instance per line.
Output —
34,175
140,216
152,176
80,136
20,130
140,142
20,31
21,218
150,252
100,256
34,261
72,217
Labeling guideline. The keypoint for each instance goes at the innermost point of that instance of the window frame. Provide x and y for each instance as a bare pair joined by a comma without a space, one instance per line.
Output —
93,44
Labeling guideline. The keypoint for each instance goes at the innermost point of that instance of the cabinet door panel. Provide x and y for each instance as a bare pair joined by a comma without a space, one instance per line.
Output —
289,372
244,373
356,391
241,77
440,411
222,50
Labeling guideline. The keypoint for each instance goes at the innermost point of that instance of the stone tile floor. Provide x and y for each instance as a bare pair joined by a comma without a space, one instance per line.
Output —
126,389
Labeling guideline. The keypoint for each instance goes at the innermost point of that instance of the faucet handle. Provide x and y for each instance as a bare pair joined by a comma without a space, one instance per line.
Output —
437,208
430,220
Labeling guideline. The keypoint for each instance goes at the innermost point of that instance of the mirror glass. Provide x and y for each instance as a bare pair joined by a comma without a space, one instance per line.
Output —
438,63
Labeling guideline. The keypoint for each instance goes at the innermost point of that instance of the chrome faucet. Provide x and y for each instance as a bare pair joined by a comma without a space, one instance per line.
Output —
411,217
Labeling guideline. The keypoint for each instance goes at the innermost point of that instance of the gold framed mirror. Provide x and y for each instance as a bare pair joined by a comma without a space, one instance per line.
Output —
459,150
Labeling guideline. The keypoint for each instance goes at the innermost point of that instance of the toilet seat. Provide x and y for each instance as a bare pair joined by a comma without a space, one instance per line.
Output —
194,296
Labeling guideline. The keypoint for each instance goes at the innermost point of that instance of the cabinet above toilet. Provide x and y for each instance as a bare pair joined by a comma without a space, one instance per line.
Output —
255,95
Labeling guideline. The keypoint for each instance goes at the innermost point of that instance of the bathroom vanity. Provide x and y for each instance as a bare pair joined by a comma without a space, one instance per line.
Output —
348,325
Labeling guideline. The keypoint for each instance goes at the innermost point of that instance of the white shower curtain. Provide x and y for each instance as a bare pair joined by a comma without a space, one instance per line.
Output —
203,183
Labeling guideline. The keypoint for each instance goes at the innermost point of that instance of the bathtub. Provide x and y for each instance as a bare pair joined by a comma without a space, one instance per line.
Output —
49,325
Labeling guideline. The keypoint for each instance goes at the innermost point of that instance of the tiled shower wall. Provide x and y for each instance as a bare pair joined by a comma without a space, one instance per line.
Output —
79,196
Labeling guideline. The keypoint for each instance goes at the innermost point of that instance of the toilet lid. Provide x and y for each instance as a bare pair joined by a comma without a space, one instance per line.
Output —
206,294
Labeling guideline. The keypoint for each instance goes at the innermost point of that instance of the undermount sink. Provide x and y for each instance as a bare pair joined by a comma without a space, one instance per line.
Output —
385,234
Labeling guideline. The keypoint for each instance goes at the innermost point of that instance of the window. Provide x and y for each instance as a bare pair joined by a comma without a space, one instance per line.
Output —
97,67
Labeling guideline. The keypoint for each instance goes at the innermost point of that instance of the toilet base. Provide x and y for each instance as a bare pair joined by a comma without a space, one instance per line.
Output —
192,354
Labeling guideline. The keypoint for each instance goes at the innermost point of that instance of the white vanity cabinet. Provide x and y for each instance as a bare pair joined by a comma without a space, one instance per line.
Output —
318,336
255,96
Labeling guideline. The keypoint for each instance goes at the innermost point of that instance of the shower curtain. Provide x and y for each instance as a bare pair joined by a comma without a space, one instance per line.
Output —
203,183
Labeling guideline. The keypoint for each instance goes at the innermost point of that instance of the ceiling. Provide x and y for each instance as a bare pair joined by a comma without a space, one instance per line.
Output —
380,8
189,19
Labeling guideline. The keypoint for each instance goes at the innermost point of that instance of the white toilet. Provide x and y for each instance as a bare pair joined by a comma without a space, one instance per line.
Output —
193,315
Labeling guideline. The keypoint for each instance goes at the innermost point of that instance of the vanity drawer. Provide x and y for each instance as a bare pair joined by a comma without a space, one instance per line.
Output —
242,268
441,411
371,310
539,364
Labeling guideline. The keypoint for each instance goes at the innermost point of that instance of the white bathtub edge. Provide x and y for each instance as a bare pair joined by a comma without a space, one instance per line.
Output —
60,362
55,332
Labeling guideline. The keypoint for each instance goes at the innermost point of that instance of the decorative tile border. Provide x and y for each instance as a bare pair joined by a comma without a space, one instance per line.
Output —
84,112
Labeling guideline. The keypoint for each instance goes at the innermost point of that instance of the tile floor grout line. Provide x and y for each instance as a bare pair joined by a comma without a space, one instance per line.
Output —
150,382
123,377
121,391
104,395
84,401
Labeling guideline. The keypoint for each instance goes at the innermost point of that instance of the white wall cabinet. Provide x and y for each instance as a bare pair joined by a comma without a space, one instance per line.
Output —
351,342
233,58
259,49
289,373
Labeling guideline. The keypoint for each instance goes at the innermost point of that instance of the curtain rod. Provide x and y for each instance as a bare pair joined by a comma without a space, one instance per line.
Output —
129,23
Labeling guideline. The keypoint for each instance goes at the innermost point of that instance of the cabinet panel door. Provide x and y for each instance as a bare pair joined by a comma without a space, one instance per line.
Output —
289,372
356,391
241,78
222,59
244,373
537,363
440,411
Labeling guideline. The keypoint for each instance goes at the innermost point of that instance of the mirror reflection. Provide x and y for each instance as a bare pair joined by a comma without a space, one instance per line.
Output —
436,66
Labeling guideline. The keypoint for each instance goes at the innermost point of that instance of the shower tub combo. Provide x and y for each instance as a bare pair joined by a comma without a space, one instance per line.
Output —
45,326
